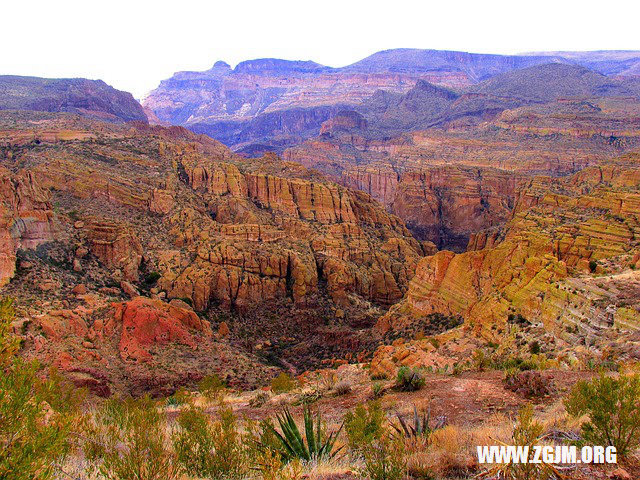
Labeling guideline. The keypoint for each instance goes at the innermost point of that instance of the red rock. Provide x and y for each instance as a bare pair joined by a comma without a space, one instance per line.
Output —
80,289
129,289
25,218
117,246
59,323
146,322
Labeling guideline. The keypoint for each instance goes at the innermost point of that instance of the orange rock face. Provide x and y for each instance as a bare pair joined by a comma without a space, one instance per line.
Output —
560,227
116,246
288,258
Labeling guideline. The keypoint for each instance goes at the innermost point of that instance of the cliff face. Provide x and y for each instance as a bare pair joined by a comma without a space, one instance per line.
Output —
25,218
449,184
563,269
92,98
276,249
561,230
444,205
260,103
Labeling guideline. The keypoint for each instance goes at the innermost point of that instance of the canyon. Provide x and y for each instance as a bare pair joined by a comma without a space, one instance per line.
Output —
408,210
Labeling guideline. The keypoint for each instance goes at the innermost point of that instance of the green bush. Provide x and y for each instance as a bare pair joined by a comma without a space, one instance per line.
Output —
364,426
384,459
377,389
126,440
179,397
211,386
210,449
410,379
526,432
613,408
593,265
283,383
34,426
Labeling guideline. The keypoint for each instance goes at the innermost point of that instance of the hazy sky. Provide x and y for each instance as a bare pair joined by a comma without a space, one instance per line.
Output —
133,44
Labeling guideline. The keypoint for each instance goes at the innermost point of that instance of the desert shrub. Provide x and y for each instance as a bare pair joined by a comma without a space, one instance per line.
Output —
410,379
343,387
530,383
527,432
307,397
271,467
180,397
34,426
613,409
125,440
210,449
289,442
211,386
593,265
364,425
379,376
377,389
420,426
481,361
327,379
534,347
283,383
384,459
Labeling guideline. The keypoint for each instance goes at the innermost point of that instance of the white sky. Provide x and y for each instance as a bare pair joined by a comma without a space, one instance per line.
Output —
133,44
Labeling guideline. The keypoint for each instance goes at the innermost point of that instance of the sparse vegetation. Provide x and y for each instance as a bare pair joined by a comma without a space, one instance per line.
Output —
410,379
613,411
420,428
210,449
36,415
364,425
384,459
126,440
283,383
530,383
211,386
343,387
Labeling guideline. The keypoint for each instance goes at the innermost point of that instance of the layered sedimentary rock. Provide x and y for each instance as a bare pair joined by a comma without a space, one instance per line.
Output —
562,269
442,204
268,245
25,218
449,185
561,229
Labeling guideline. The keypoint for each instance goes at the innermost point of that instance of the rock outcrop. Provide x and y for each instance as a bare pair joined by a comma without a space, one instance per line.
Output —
25,218
561,229
145,323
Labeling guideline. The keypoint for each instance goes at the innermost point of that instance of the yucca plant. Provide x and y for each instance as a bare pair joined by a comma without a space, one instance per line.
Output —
421,427
290,444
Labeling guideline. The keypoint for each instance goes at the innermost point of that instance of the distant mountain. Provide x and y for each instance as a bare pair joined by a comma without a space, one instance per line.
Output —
273,102
607,62
426,105
475,66
545,83
92,98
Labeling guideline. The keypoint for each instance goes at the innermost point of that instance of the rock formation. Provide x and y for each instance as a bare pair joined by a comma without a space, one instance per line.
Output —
92,98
